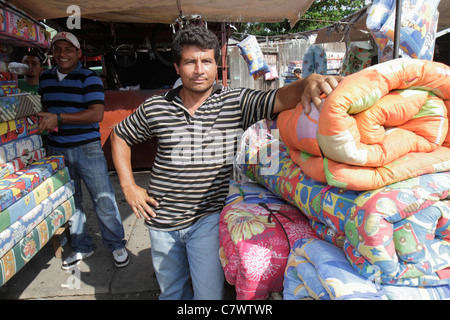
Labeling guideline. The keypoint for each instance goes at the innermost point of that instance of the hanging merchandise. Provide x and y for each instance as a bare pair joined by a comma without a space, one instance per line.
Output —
253,56
18,68
417,28
272,74
314,61
15,29
358,57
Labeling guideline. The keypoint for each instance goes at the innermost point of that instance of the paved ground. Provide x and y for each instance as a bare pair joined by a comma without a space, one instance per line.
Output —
96,277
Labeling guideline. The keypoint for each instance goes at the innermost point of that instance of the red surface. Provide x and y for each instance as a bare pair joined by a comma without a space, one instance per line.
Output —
118,105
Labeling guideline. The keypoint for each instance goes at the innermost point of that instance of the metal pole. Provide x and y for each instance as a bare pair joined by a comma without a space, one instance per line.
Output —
224,54
398,22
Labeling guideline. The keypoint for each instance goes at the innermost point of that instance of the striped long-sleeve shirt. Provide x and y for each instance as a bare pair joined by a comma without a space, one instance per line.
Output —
189,178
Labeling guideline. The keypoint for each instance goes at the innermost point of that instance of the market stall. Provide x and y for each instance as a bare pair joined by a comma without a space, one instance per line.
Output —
386,228
382,237
370,172
35,190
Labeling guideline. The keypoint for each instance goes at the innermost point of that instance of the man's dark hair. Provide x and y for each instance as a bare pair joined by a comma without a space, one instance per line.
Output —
33,53
194,35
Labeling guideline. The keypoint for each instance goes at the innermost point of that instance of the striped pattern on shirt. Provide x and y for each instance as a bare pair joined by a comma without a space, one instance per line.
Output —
190,176
76,92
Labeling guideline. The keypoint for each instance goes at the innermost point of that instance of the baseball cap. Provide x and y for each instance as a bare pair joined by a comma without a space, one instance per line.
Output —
66,36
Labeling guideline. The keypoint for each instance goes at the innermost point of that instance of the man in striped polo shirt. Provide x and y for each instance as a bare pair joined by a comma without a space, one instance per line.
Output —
74,100
197,126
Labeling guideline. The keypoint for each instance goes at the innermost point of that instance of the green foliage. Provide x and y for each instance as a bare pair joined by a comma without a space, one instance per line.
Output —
322,13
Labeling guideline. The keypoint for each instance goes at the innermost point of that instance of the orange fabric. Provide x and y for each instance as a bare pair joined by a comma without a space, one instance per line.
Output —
381,125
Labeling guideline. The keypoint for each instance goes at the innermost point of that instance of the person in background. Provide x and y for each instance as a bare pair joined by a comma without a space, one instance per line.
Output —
297,73
30,82
190,177
74,99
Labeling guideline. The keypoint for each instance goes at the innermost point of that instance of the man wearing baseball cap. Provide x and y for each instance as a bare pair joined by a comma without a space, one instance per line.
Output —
68,37
73,98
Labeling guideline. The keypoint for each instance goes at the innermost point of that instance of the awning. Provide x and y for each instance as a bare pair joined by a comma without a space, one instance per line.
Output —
444,15
167,11
351,28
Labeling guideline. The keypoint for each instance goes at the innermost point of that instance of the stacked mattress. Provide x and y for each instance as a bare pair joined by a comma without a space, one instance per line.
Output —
35,191
384,227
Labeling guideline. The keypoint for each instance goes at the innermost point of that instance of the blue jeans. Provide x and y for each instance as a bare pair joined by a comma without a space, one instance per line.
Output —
87,163
190,252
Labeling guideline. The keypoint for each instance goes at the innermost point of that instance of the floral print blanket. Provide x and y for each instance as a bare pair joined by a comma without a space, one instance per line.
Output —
318,270
257,230
396,235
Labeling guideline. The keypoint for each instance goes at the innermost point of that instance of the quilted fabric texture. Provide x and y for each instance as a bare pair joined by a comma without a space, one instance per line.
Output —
19,147
20,183
398,234
19,163
401,233
381,125
254,244
318,270
27,247
19,106
19,229
18,128
36,193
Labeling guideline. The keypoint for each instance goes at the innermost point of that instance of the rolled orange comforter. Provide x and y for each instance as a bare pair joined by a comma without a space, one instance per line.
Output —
381,125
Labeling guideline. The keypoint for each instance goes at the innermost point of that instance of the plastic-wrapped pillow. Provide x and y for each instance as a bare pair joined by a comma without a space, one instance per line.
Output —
418,27
254,57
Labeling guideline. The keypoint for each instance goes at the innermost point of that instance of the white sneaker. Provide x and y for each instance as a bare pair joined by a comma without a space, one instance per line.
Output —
75,258
121,257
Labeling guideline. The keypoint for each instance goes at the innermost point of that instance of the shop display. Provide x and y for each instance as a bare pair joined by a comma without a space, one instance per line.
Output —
318,270
256,231
381,125
18,30
419,19
396,235
36,193
253,56
36,196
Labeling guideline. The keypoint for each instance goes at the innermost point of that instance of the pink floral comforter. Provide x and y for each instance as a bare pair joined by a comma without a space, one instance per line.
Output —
257,230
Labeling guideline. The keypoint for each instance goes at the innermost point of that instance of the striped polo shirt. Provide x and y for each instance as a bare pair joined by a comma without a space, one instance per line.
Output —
76,92
194,159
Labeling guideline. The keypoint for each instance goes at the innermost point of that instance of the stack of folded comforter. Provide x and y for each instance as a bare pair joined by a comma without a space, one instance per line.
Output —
35,192
390,220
